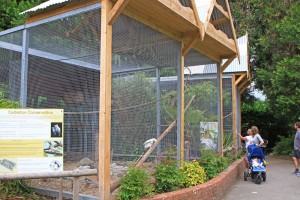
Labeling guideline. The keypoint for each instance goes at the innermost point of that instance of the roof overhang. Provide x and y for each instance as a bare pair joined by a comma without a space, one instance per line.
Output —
167,16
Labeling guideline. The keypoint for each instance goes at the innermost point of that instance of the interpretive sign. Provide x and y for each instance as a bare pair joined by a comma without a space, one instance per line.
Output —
31,140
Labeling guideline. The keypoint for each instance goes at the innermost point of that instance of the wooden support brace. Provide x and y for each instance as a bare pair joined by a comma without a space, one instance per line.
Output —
219,21
190,45
151,149
233,30
227,63
197,19
243,84
239,79
116,10
220,8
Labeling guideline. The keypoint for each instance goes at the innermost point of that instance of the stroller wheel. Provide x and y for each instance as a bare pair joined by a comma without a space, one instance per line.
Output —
245,175
264,177
258,179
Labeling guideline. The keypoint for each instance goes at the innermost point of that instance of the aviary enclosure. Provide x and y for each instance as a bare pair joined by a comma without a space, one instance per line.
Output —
55,63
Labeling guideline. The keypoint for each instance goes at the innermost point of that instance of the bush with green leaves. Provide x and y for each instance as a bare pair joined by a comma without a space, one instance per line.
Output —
168,177
10,188
213,163
284,146
135,185
194,172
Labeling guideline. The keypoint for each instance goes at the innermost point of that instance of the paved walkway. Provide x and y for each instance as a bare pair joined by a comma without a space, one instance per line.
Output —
280,184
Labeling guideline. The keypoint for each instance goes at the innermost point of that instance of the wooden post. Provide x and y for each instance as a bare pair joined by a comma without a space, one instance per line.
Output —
234,102
60,195
220,110
182,106
76,188
105,102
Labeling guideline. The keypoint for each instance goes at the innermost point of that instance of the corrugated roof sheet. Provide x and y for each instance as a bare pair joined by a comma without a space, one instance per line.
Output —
44,5
234,66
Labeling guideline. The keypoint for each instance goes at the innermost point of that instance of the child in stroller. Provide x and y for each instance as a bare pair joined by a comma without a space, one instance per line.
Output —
257,164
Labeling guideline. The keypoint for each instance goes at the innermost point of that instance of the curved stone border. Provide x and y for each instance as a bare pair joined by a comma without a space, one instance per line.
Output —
215,188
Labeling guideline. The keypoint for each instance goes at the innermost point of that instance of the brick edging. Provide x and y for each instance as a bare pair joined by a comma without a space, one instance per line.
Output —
215,188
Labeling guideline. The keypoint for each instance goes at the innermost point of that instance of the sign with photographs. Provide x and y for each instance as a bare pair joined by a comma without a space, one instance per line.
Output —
31,140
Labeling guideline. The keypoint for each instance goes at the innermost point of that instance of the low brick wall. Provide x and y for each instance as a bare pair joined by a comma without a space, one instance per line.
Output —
215,188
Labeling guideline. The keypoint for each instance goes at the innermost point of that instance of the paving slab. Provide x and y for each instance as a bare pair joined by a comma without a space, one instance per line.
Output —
279,185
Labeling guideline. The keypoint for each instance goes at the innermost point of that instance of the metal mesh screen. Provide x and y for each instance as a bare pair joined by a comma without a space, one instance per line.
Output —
10,70
63,72
14,38
227,112
137,52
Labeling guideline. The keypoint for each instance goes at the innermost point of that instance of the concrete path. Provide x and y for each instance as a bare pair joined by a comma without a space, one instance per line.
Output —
280,184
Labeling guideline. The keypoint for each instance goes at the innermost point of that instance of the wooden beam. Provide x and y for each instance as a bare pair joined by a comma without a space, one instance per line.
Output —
39,175
105,102
220,109
244,83
65,8
234,113
182,108
244,88
233,30
239,79
221,9
221,37
116,11
227,63
190,45
219,21
199,23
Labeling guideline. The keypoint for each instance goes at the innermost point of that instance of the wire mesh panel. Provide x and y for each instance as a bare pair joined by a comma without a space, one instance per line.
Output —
137,51
10,67
14,38
63,72
227,112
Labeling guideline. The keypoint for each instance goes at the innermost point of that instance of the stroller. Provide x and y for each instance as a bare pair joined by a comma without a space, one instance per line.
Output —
257,164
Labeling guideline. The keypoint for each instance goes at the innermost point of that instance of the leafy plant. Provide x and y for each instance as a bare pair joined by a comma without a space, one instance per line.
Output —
9,188
213,164
284,145
135,184
168,178
194,172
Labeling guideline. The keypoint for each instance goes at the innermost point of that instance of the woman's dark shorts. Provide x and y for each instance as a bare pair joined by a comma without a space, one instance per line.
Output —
297,154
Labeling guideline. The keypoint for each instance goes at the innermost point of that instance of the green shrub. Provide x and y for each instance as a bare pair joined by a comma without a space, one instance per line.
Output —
194,172
284,146
135,184
168,177
10,188
213,164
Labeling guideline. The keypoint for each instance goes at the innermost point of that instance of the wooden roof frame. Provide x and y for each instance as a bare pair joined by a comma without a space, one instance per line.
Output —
188,30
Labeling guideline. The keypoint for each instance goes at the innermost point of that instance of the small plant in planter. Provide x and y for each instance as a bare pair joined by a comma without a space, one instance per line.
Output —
135,185
168,176
194,172
212,163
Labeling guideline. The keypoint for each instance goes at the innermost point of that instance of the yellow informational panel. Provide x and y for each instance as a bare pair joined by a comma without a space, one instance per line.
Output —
31,140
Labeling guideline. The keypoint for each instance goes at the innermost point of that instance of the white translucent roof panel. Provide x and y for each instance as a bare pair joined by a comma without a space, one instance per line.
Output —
234,66
202,8
44,5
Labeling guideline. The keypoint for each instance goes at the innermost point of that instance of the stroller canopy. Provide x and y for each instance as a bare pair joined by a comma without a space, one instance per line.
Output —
255,151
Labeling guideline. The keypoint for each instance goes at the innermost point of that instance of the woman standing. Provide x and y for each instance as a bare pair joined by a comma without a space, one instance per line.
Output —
256,137
248,139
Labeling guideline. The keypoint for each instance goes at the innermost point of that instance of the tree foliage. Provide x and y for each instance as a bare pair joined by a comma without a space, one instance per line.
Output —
274,30
10,12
